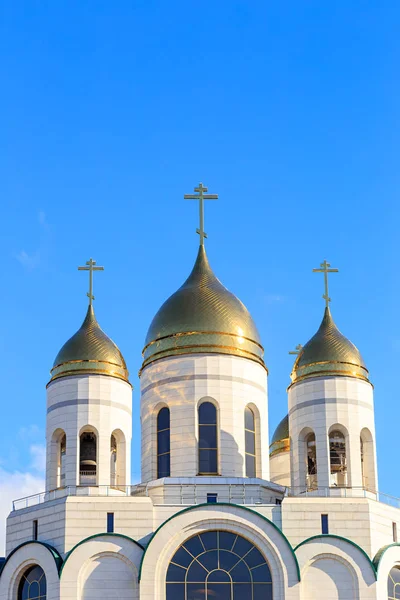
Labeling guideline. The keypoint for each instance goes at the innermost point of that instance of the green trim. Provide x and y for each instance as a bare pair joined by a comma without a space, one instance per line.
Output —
96,535
55,554
378,556
250,510
342,539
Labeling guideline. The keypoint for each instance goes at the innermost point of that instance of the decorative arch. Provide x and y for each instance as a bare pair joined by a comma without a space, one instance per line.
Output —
85,562
58,449
26,555
385,560
307,456
339,456
367,451
241,520
117,459
355,565
88,442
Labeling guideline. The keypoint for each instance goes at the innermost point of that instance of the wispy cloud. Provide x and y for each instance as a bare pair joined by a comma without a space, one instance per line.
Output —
38,455
19,484
32,260
275,298
29,261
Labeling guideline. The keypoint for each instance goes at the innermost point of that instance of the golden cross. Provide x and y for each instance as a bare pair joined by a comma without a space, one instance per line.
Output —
90,267
325,270
201,196
299,348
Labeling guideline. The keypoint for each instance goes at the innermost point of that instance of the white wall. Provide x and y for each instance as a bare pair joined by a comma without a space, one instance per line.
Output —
319,405
73,403
279,465
180,383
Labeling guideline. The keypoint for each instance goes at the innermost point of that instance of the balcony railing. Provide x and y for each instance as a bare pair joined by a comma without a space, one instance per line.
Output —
192,494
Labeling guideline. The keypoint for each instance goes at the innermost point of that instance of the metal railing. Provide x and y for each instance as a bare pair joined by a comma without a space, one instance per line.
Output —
190,494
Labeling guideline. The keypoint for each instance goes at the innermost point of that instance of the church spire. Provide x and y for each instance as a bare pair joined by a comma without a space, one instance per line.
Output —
201,196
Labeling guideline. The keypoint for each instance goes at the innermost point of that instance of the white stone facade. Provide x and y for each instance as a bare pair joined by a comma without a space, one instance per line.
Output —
88,403
106,539
181,384
320,406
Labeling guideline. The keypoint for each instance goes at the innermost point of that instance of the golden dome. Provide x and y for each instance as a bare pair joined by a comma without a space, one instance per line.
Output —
329,353
89,351
280,440
202,317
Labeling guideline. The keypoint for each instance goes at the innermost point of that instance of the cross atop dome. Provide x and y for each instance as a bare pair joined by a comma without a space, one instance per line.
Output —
91,266
325,270
201,196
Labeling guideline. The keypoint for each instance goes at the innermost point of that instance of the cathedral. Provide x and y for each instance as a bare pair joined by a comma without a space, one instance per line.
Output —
222,512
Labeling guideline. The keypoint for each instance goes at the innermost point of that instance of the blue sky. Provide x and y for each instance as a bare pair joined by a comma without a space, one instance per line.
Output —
110,112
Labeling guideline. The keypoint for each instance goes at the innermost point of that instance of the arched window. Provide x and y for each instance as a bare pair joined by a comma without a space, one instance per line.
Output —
113,461
394,584
311,459
61,452
163,443
88,458
208,443
338,459
367,460
218,565
33,584
250,442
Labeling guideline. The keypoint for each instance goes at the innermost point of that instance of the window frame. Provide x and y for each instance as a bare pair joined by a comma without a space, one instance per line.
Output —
254,434
201,473
160,473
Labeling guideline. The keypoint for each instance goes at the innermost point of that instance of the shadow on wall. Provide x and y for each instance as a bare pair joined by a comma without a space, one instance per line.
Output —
332,576
109,575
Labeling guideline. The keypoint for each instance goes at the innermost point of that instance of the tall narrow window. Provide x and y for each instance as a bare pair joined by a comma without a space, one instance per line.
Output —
311,459
35,529
163,443
337,453
208,445
250,442
61,453
113,461
110,522
363,474
394,530
324,524
88,459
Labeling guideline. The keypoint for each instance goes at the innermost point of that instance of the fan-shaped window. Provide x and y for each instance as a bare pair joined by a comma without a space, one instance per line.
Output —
338,459
394,584
208,439
33,584
250,442
218,565
163,443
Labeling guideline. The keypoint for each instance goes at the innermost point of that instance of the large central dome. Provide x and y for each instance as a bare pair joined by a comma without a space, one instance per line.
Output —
202,317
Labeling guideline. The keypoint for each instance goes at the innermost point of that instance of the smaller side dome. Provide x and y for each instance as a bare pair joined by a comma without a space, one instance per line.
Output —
280,440
329,353
90,351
